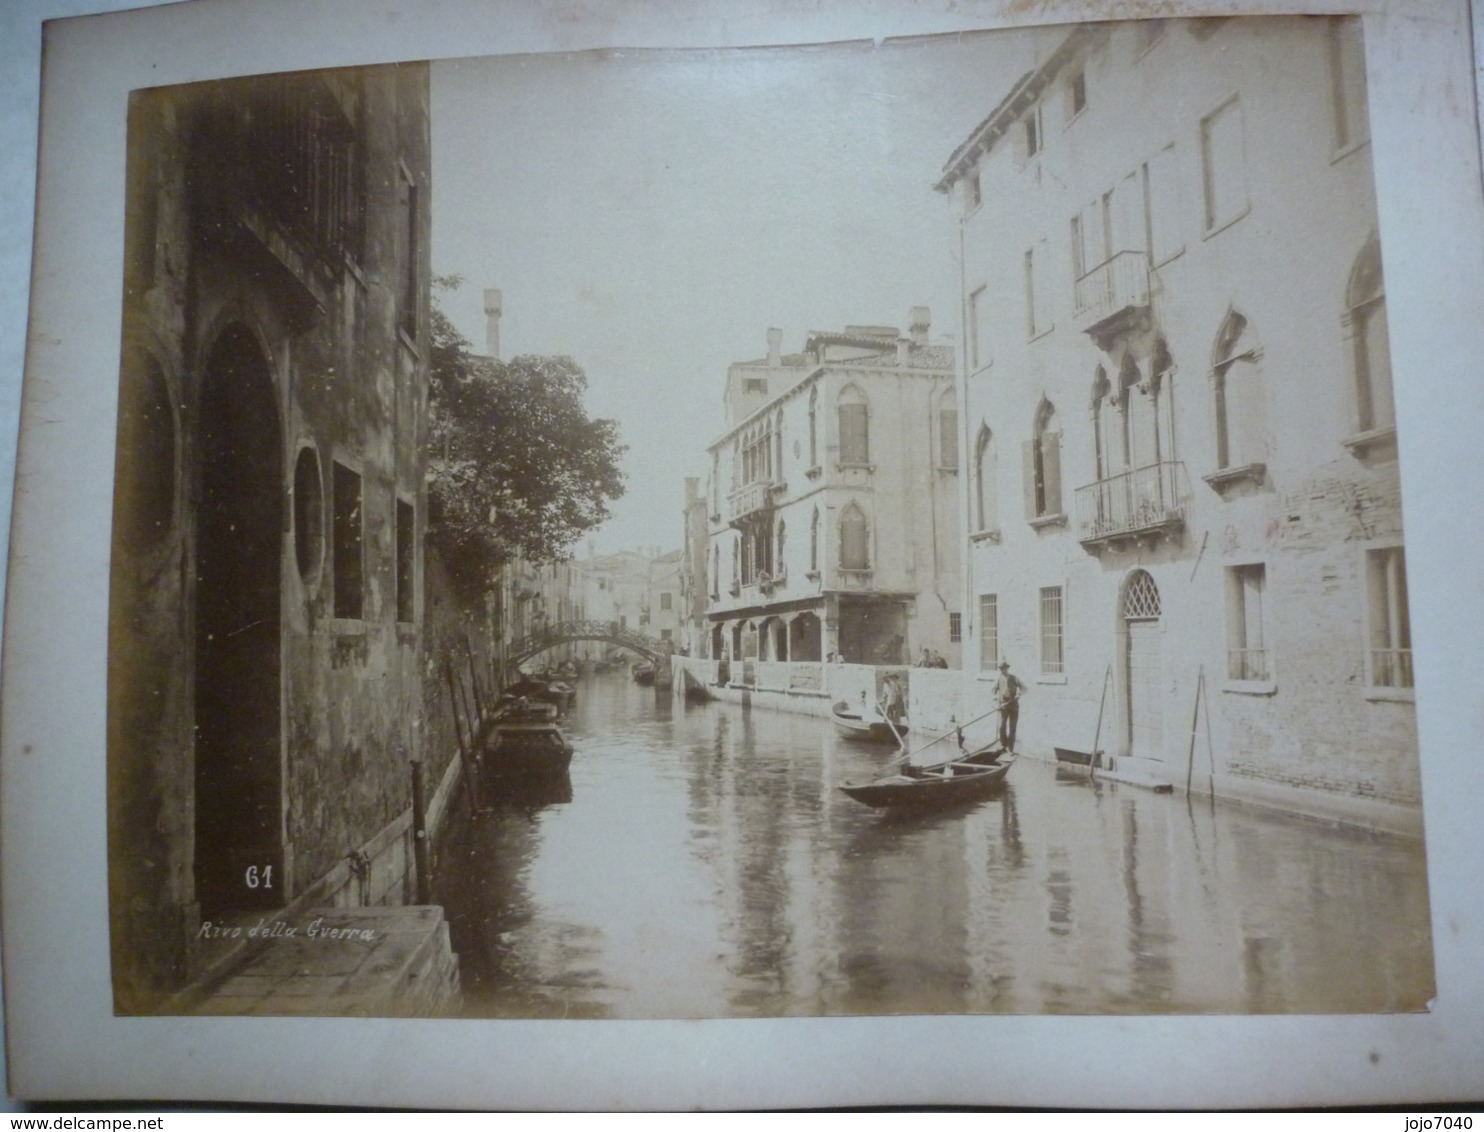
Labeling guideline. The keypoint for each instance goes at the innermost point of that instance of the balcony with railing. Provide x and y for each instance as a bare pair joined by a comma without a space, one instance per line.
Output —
750,500
1142,505
1113,296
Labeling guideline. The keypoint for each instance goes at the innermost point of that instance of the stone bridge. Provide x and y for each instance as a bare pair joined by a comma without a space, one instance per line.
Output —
552,635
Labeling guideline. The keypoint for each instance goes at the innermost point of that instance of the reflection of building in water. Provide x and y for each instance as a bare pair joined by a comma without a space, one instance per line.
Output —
265,654
833,500
1179,444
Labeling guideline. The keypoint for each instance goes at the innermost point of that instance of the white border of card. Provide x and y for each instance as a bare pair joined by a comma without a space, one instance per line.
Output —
63,1038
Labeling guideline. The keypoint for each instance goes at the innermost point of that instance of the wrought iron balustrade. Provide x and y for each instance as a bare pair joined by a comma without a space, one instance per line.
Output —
1115,288
1141,503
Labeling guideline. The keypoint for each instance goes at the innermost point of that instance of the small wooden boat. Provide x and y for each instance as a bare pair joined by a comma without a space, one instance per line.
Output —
524,741
965,778
642,672
1070,757
851,724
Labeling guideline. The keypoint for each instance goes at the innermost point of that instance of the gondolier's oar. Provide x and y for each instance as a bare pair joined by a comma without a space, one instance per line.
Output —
895,734
1092,758
958,730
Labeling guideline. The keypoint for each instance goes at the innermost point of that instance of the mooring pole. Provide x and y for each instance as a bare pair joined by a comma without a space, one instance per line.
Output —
424,870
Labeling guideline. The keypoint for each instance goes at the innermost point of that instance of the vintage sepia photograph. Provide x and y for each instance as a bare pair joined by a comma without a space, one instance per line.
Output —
932,544
762,555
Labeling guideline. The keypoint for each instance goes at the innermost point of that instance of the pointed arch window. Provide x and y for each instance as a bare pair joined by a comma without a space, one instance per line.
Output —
948,429
814,427
1100,405
1240,400
855,539
855,416
814,542
1043,467
986,502
1370,342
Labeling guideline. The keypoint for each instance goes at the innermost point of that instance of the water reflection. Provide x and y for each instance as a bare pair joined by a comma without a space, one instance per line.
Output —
704,865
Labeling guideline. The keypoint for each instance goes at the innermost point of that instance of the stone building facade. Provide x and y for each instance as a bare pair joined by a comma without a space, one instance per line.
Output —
833,502
1182,498
265,650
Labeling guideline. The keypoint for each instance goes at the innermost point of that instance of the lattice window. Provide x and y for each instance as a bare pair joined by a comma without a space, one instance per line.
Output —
1141,598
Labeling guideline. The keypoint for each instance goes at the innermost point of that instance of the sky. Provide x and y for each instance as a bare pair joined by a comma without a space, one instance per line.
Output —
652,214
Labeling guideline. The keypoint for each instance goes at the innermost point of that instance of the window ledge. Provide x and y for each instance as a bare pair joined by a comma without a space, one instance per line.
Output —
1037,335
815,472
1377,694
1042,522
1051,678
1224,477
948,469
1222,225
1251,687
846,466
1362,442
348,626
985,536
1346,150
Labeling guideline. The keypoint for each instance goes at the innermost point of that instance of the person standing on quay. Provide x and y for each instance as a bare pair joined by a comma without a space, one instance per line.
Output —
1007,691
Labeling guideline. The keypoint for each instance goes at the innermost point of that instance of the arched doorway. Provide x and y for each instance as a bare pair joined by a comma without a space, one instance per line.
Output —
239,525
804,638
1142,667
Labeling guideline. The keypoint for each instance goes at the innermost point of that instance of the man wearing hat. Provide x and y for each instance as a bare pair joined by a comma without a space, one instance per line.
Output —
1007,690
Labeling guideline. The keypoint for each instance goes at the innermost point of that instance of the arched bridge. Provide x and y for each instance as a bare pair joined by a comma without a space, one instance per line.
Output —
551,635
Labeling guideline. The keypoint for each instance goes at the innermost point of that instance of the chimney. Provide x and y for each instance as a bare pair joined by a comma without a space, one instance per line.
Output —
921,320
904,350
494,303
775,346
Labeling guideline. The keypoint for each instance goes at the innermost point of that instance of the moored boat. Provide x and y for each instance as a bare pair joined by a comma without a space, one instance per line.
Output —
867,729
643,672
965,778
523,742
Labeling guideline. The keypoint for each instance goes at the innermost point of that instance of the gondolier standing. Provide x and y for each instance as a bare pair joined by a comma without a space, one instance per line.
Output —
1007,690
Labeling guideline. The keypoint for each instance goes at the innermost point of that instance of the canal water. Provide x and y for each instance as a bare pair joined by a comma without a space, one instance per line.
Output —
705,865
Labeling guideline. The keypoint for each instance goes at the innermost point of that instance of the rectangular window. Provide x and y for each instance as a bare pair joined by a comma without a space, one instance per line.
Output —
1246,640
854,446
1030,293
1076,93
978,329
1347,78
665,634
407,295
665,599
1037,293
948,438
973,193
1390,626
1224,165
1033,131
349,570
955,628
1052,661
989,632
1162,206
406,544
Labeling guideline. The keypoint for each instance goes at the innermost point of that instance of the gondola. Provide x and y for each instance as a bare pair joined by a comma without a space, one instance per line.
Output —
874,729
970,776
524,742
643,673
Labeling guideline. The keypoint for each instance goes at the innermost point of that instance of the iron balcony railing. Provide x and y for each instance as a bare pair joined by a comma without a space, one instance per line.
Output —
1151,499
753,497
1391,668
1118,285
1247,664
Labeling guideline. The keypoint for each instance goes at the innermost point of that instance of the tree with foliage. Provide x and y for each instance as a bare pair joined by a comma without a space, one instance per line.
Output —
516,466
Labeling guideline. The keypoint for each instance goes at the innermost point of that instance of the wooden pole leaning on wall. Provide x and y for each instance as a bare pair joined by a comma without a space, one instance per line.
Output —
471,778
423,870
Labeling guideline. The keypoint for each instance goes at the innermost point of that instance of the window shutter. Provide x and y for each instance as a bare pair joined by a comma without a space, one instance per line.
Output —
1028,477
1051,471
948,438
